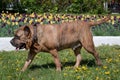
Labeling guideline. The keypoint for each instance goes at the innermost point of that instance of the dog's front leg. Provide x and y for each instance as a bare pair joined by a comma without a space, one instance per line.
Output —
30,57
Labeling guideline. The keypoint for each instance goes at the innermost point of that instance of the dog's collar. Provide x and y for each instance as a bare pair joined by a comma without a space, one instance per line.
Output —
34,33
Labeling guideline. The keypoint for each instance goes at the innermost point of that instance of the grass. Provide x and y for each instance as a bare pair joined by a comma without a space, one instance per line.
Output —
43,68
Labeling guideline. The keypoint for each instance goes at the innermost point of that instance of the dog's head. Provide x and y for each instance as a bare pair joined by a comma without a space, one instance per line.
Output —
22,38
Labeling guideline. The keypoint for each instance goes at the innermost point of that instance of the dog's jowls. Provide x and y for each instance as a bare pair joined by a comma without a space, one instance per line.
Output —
54,37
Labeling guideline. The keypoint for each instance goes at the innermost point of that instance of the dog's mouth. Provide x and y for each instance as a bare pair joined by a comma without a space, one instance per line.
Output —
21,46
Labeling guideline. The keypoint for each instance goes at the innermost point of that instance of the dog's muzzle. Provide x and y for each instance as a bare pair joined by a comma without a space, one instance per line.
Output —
18,46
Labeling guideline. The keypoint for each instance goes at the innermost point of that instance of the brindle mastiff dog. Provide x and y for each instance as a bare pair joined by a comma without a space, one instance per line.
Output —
55,37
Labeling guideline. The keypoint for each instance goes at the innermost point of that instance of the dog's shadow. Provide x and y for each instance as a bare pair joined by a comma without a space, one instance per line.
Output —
89,63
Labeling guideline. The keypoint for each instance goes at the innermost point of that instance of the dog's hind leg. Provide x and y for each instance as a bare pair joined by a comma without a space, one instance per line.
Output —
56,59
87,43
78,56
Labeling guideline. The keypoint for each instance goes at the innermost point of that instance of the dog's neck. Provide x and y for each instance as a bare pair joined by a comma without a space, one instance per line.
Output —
34,33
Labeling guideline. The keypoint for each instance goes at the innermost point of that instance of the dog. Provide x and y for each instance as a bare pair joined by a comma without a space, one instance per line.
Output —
55,37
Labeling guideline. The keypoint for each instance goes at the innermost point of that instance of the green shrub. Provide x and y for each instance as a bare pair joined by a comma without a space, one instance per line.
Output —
86,6
61,6
107,30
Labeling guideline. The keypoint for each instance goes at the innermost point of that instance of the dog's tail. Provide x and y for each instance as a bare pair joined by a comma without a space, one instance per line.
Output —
93,23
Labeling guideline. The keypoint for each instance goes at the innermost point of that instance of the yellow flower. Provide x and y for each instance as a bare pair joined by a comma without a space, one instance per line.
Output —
36,20
2,11
65,74
78,77
16,23
17,13
105,67
32,15
83,15
13,23
88,16
3,14
8,22
75,20
41,22
107,72
97,69
82,18
31,21
39,15
109,21
7,12
78,69
118,17
12,17
63,17
52,22
97,78
113,22
20,15
98,19
119,55
116,71
3,19
112,17
19,18
26,19
84,67
50,17
109,60
17,69
44,15
33,79
94,15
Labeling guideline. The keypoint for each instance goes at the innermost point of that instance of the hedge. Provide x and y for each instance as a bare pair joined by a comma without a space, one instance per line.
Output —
59,6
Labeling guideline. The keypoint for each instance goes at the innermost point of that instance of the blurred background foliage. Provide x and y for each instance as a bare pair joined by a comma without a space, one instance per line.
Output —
58,6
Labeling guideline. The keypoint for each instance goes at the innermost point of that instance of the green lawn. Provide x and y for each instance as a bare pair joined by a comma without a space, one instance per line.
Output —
43,68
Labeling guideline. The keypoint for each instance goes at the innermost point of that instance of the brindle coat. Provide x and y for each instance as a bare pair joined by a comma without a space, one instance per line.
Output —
54,37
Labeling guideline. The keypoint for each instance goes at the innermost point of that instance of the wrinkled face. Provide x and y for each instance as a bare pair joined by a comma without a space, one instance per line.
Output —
20,38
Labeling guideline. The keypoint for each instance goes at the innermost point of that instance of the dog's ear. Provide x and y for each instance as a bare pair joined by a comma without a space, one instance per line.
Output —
27,30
